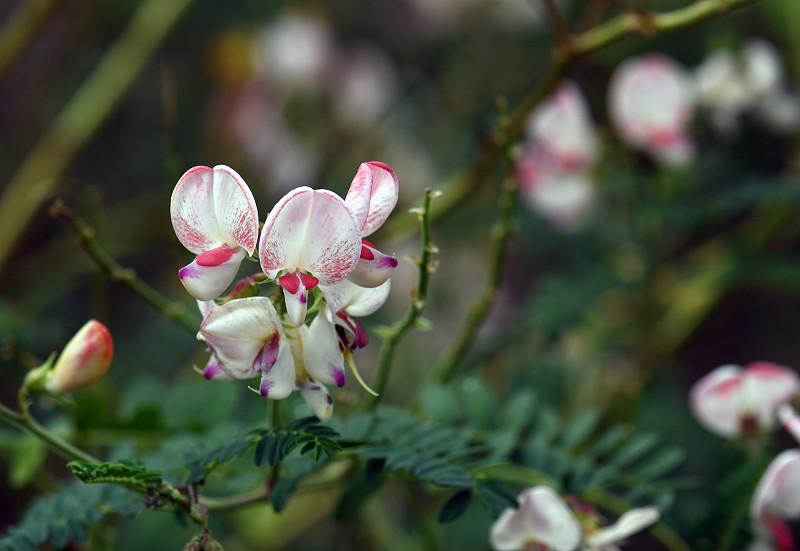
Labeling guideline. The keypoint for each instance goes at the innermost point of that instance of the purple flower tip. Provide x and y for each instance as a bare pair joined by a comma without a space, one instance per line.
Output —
265,386
338,376
188,271
302,299
329,399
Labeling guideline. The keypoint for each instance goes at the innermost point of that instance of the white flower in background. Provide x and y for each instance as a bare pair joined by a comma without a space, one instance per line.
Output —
364,85
729,86
650,102
554,170
214,216
294,51
732,401
775,501
545,521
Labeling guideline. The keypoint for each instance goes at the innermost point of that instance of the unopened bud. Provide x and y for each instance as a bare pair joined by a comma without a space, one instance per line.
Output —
82,362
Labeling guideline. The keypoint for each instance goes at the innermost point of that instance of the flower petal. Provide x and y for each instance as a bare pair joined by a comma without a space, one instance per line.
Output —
322,357
237,331
713,403
542,517
373,269
206,280
765,386
296,305
376,185
776,494
631,522
310,231
318,399
210,207
278,380
355,300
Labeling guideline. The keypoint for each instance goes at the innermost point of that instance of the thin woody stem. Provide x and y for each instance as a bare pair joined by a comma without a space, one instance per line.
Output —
559,24
500,235
397,331
87,240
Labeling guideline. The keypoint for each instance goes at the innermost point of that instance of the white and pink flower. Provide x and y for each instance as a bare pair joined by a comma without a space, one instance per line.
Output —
543,520
214,216
731,400
650,101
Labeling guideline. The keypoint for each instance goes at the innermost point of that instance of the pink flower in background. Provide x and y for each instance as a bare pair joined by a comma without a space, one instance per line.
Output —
545,521
732,400
561,130
554,170
776,500
650,102
214,216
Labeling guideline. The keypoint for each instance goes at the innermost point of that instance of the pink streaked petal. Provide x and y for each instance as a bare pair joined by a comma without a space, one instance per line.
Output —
776,494
318,399
383,199
235,208
296,304
358,196
323,359
310,231
237,331
279,381
208,282
765,386
713,402
192,211
360,339
375,272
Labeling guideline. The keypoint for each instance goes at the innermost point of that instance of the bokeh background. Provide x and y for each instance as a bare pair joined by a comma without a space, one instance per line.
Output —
672,273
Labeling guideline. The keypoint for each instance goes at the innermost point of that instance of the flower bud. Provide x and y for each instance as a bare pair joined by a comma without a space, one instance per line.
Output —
84,360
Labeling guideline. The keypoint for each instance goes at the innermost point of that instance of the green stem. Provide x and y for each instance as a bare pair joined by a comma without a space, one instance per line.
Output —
60,446
237,501
396,332
86,238
500,235
83,115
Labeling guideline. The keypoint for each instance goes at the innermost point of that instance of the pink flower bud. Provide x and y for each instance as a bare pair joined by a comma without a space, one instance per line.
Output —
84,360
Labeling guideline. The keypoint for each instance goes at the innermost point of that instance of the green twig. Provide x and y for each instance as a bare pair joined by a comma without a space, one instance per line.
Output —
396,332
464,184
20,27
88,241
83,115
447,366
63,448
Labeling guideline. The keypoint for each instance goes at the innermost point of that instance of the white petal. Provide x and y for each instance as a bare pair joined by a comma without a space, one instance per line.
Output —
310,231
318,399
714,403
542,517
296,305
765,386
629,523
279,380
207,280
322,357
776,493
355,300
237,331
790,420
762,67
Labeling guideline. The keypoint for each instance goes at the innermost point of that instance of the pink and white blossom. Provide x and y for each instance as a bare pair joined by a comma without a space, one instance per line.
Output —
545,521
732,400
214,215
650,102
775,501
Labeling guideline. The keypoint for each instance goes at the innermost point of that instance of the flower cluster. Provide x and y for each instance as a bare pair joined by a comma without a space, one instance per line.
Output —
312,246
544,520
